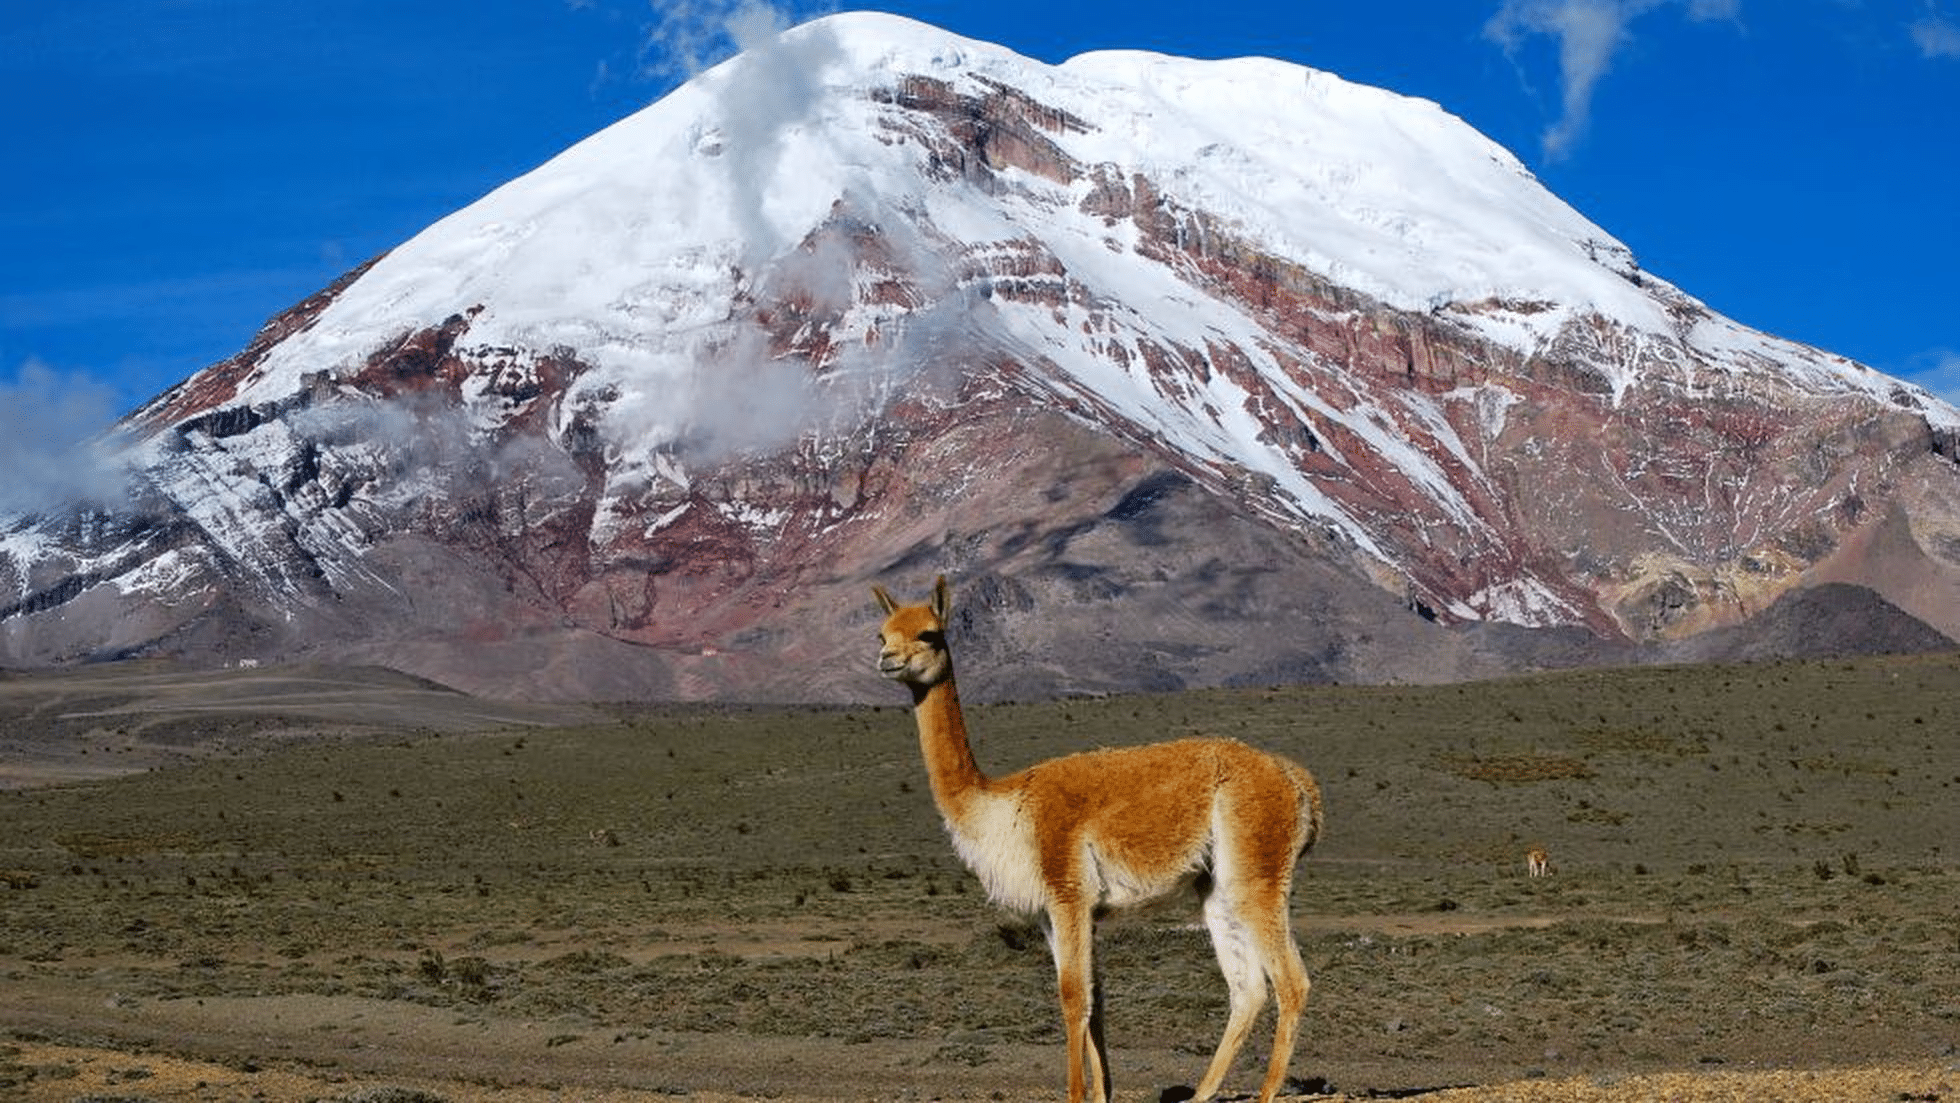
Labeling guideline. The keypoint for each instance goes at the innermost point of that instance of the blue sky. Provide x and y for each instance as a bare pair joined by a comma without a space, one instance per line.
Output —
177,171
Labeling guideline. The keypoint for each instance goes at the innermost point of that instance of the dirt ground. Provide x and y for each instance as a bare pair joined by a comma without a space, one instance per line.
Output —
66,1073
1754,896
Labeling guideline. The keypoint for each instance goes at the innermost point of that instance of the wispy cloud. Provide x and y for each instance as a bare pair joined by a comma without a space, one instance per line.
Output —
1937,35
674,41
1711,10
754,399
1588,34
771,90
687,37
56,444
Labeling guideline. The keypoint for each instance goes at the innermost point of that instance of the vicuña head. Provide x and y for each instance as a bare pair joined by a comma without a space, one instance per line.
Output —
914,639
1120,826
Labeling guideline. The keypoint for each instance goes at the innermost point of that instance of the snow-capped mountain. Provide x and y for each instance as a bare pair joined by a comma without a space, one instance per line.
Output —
1188,371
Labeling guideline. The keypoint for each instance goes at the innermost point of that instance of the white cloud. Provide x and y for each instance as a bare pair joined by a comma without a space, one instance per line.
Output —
770,91
1711,10
1588,33
57,446
688,37
1937,36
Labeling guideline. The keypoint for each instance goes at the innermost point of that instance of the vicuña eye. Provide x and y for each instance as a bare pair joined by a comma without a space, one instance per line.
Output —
933,639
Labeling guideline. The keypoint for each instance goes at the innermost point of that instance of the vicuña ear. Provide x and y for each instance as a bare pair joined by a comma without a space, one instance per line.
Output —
942,599
885,601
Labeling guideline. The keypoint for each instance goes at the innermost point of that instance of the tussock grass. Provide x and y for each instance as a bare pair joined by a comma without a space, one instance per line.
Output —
1753,864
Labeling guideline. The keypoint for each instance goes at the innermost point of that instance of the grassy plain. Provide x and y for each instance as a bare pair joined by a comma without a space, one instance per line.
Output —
1754,868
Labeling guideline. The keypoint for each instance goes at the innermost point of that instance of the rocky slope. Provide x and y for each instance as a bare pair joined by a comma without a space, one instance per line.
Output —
1189,372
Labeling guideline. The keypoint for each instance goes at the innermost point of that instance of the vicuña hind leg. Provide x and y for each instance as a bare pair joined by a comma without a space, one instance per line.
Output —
1245,980
1255,949
1290,987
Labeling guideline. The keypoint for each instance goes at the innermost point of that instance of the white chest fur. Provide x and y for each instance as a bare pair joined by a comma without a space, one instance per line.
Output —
995,838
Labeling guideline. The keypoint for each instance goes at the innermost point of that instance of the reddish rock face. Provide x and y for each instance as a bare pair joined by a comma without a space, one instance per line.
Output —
470,511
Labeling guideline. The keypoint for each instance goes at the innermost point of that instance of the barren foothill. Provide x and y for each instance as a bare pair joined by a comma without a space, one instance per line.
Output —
1753,895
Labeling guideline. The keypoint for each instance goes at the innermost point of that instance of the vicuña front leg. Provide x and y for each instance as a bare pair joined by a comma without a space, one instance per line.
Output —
1071,938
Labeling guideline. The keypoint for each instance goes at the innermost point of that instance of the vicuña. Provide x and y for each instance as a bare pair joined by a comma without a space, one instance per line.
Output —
1064,838
1537,862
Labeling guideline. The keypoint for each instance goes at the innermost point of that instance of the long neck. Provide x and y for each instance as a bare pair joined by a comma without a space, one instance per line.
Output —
942,739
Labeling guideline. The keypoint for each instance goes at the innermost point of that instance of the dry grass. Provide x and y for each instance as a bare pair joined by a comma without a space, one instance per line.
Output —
1754,869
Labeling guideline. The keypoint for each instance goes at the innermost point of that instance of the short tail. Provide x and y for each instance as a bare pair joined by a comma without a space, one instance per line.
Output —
1310,813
